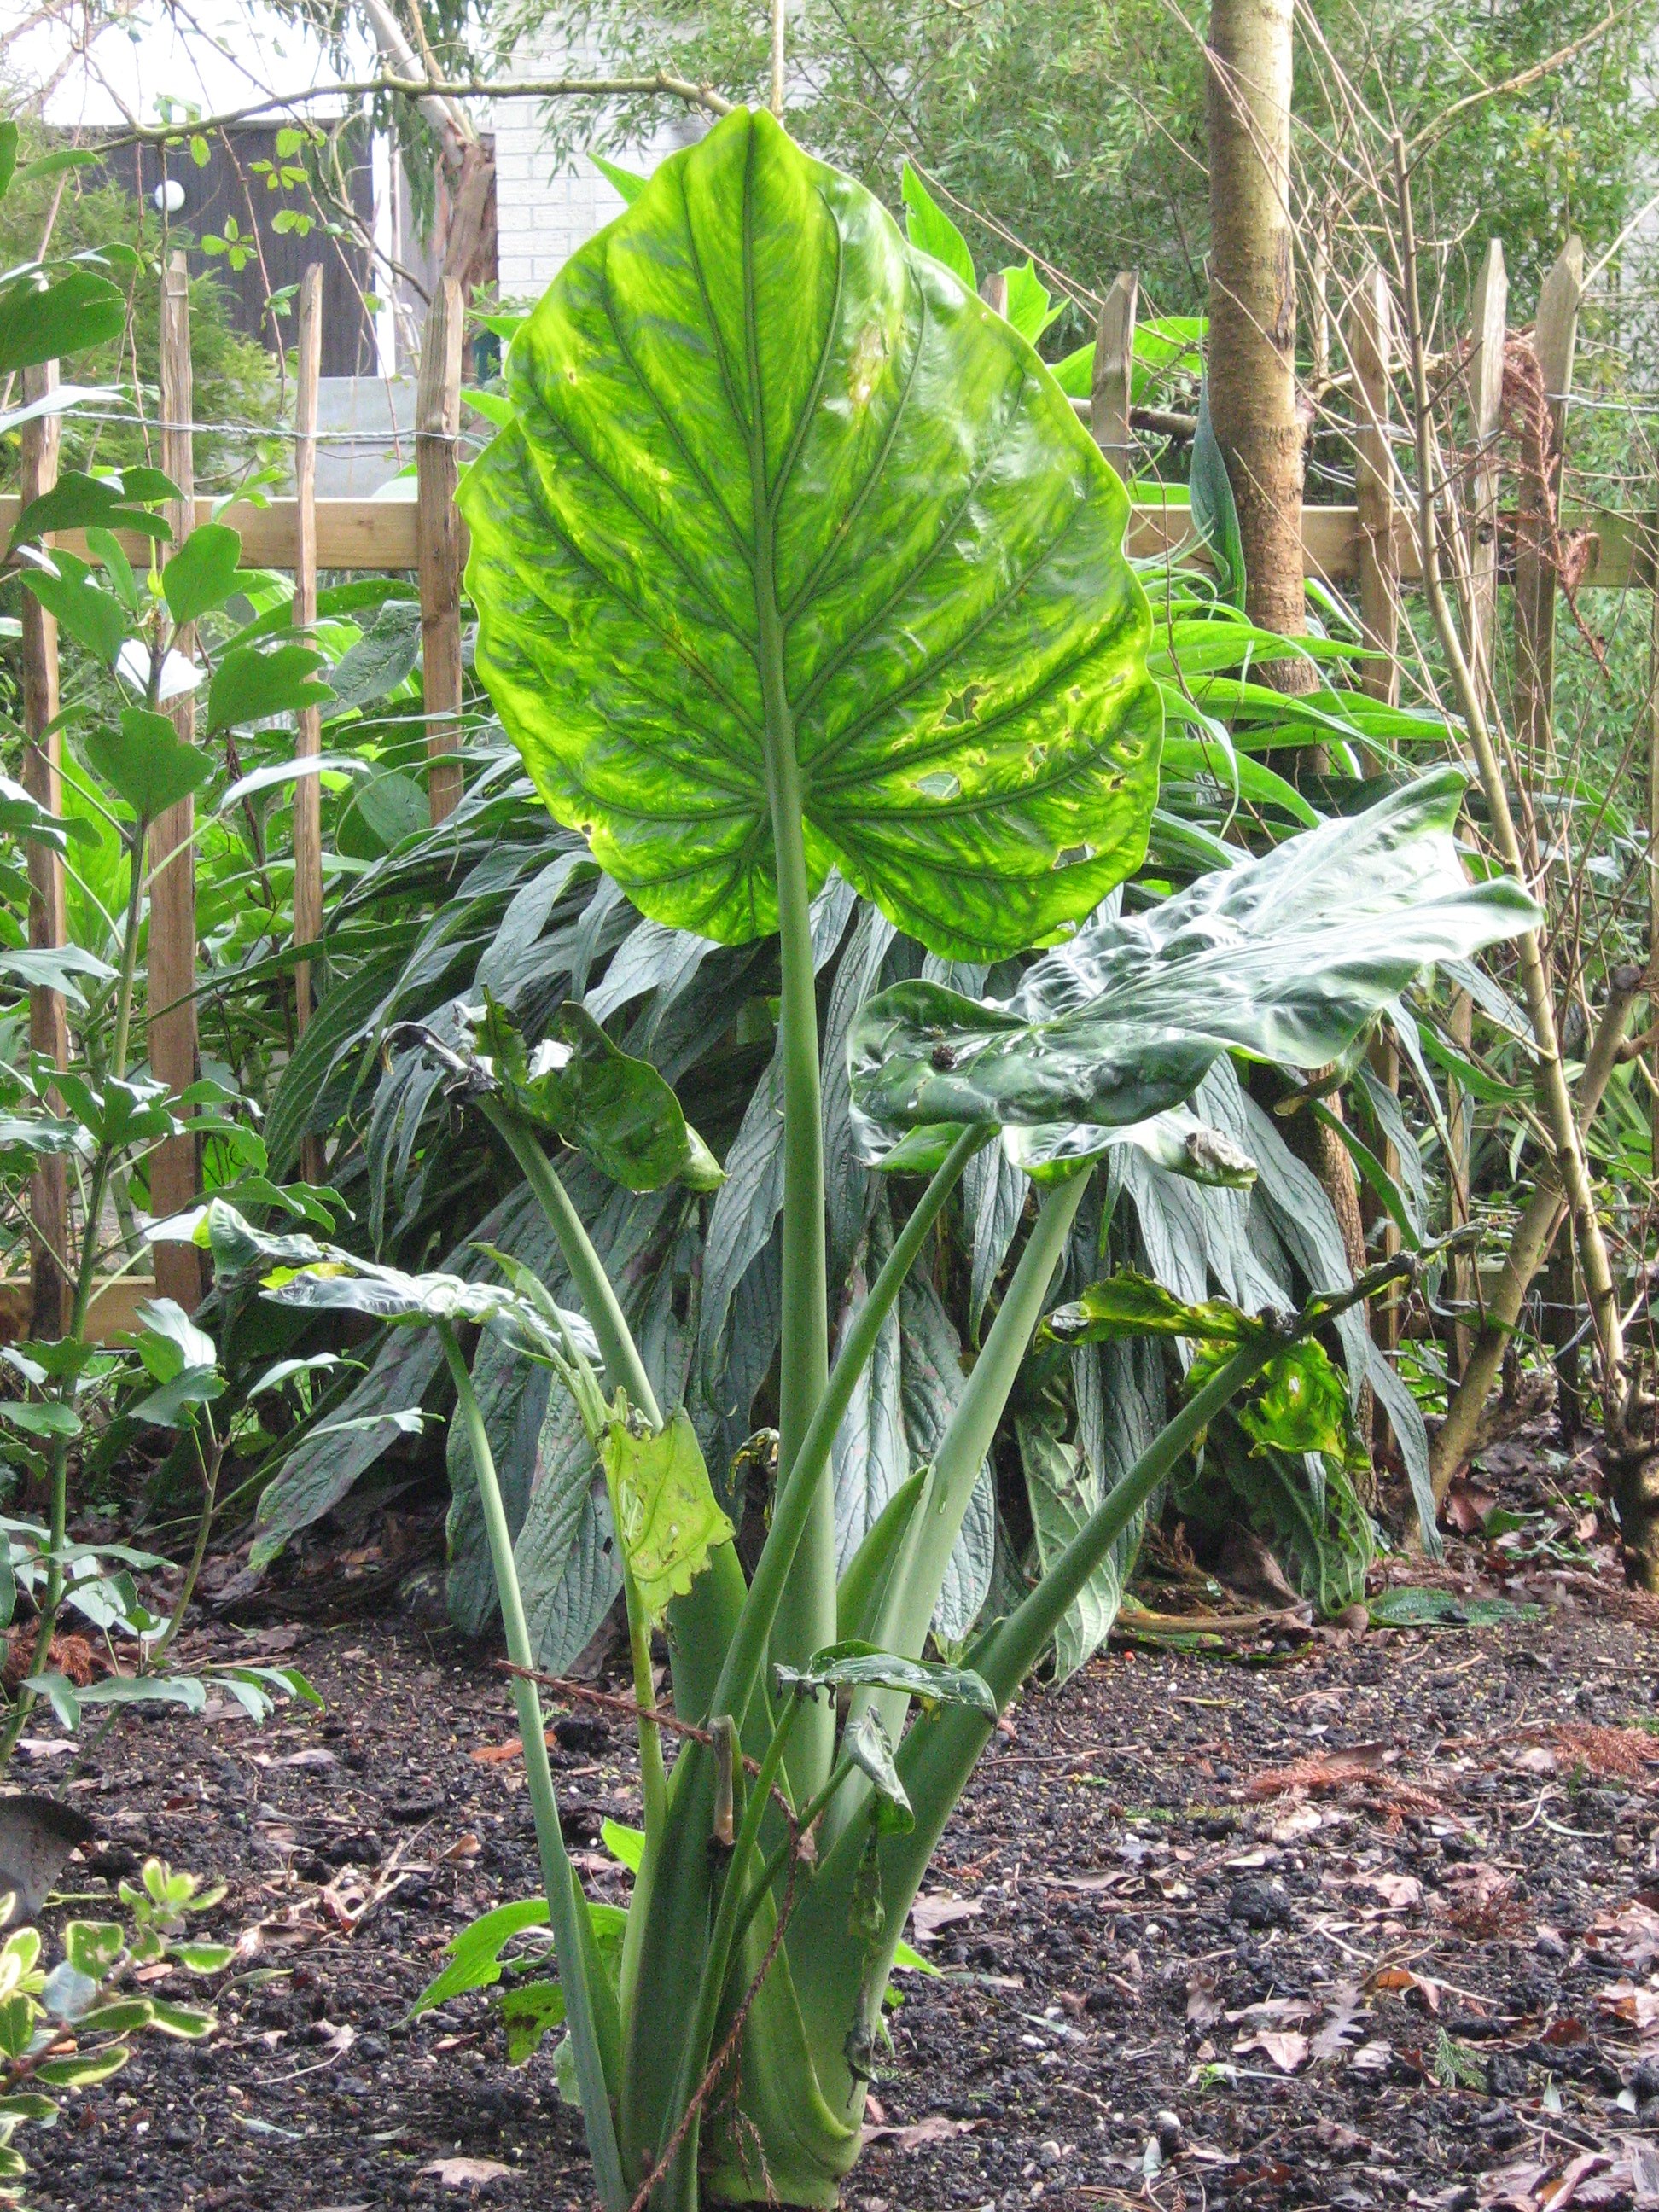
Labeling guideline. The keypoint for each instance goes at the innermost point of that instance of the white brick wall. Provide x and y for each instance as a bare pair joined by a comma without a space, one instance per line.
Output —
544,212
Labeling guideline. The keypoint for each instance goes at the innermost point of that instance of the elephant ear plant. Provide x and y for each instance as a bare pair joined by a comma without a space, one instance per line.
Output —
794,557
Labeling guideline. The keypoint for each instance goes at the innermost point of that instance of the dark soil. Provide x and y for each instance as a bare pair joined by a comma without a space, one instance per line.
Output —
1367,1921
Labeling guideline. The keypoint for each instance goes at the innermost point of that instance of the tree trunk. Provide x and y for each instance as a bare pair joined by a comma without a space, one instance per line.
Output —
1252,348
1252,385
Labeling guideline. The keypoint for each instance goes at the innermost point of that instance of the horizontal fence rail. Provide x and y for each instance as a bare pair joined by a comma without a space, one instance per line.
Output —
382,534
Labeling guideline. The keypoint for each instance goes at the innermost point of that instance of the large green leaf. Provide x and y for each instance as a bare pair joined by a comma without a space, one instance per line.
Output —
784,501
41,321
1283,958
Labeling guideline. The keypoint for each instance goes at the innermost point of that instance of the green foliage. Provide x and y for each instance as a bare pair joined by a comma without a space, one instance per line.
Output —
71,2027
235,380
791,521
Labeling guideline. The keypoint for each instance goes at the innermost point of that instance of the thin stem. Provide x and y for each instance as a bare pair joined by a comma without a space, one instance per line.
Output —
746,1654
623,1367
566,1909
1551,1075
653,1782
210,1465
85,1280
806,1615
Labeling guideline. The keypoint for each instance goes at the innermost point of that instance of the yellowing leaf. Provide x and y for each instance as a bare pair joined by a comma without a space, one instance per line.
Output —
668,1519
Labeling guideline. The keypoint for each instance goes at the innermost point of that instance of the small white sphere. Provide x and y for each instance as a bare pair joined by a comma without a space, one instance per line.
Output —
168,197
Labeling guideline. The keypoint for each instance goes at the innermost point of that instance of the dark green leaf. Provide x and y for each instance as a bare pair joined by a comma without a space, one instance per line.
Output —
203,573
382,658
1215,516
252,683
93,617
599,1098
23,816
1283,958
51,321
145,761
855,1665
936,594
79,502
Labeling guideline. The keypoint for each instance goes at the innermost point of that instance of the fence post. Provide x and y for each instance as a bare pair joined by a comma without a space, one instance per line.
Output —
307,796
1370,350
438,528
43,755
174,1171
1113,385
1489,325
307,789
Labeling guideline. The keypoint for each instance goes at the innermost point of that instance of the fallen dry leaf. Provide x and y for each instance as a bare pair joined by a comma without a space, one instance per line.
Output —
468,2172
1300,1820
1401,1892
1204,2006
1339,2023
1403,1979
1629,1932
1628,2001
934,1912
1287,2048
937,2128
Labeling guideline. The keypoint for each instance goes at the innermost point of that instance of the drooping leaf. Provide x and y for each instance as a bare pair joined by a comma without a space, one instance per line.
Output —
865,1743
342,1282
584,1087
1062,1494
169,1340
1129,1304
474,1955
1215,516
855,1665
80,502
667,1517
1299,1403
1283,958
1176,1141
776,479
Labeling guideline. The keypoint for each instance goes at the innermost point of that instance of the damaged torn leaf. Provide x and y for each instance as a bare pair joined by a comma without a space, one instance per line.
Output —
667,1517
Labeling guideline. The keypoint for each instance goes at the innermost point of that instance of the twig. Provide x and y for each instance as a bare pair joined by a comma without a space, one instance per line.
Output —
413,88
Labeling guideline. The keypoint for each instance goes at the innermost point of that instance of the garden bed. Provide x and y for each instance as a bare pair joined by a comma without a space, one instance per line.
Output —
1372,1921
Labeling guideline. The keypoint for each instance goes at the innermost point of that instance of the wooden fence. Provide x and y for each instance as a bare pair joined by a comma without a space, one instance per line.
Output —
1370,548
